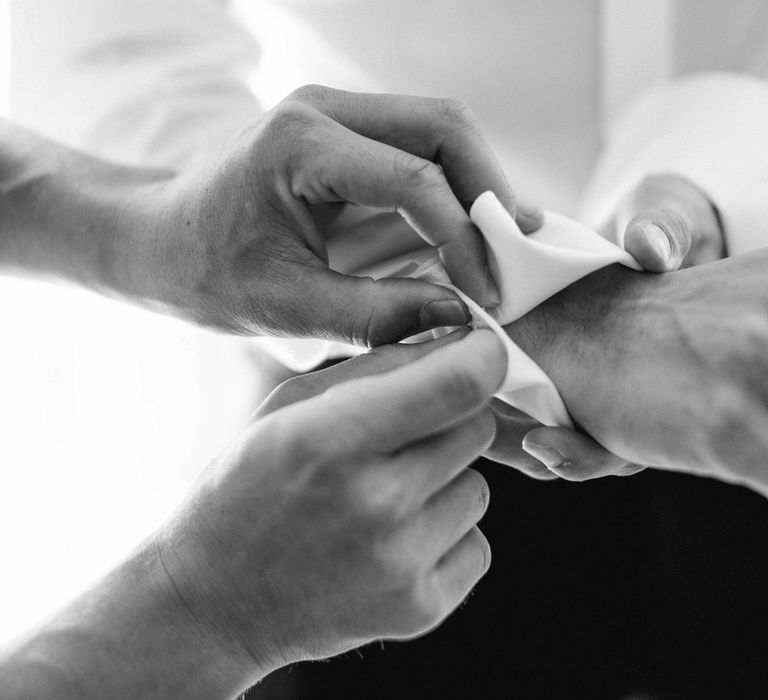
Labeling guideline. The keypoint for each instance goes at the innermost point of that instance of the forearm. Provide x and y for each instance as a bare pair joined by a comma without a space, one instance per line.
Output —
67,216
129,637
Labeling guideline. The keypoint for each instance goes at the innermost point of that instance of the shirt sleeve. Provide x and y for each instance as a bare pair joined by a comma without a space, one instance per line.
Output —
146,82
711,129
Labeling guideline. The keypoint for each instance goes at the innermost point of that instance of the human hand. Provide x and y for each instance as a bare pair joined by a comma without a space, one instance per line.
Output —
344,517
665,222
238,249
663,370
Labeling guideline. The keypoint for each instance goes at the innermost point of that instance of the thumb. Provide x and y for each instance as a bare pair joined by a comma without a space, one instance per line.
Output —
369,312
659,239
573,456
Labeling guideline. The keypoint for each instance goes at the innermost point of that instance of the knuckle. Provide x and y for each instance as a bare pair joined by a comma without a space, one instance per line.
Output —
367,328
398,571
728,405
463,387
422,611
378,496
728,431
456,113
278,440
311,94
351,426
741,360
416,173
290,391
288,119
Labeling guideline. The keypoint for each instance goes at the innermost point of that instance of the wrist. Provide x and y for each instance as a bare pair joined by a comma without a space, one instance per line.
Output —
67,216
130,636
215,605
574,323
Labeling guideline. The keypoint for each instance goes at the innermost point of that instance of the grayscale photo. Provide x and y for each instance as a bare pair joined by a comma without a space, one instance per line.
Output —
384,349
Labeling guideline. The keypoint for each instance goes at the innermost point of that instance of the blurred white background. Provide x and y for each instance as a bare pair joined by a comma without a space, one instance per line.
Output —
108,413
4,49
106,417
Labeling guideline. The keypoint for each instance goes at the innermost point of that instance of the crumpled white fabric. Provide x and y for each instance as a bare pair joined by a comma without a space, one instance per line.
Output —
529,269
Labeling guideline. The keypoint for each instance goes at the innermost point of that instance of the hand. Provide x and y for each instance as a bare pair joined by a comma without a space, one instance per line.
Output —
664,370
347,516
240,251
667,222
343,513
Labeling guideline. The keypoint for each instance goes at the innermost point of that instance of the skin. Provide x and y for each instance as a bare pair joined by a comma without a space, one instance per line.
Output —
336,517
228,244
621,347
300,543
252,571
677,209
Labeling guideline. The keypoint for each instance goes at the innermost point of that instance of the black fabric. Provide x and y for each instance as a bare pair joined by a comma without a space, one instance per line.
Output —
656,583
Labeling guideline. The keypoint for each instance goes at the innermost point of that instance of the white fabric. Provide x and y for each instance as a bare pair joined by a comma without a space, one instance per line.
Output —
528,270
745,218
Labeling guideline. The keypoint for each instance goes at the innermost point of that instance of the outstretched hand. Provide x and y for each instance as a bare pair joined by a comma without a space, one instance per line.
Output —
345,511
240,250
666,223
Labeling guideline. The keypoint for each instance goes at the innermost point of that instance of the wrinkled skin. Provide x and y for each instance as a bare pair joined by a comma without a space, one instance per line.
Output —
345,512
664,370
662,207
240,243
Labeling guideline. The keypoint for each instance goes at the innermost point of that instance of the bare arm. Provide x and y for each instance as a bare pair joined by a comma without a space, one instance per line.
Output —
67,216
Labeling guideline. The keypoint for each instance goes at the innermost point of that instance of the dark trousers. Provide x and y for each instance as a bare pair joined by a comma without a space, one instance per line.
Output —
656,583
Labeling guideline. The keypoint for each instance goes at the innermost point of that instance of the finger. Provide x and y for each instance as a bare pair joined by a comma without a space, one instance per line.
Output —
659,239
367,172
529,218
446,518
389,411
377,361
462,567
428,466
443,132
363,311
511,426
440,130
575,457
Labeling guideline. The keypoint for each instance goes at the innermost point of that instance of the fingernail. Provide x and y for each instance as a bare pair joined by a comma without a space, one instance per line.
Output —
548,456
531,214
443,312
492,298
657,240
529,210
